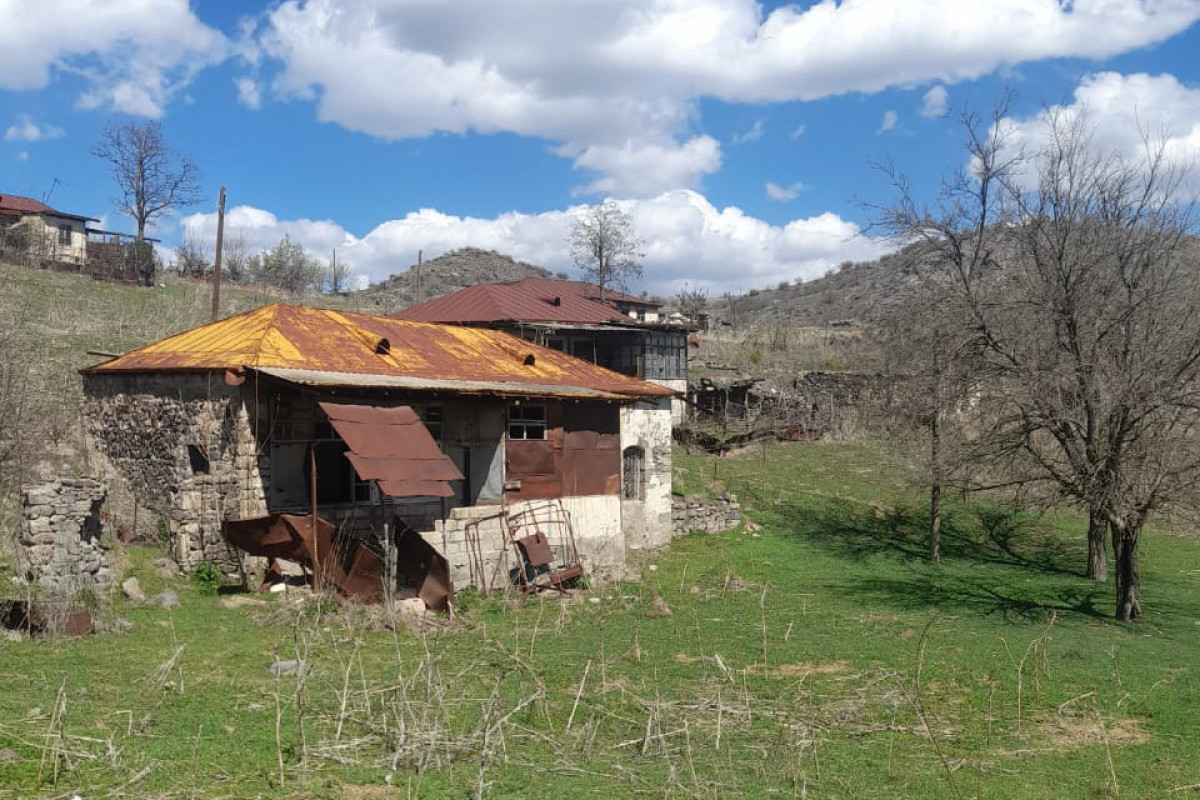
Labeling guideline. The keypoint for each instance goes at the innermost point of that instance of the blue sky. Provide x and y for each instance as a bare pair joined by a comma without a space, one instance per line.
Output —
739,136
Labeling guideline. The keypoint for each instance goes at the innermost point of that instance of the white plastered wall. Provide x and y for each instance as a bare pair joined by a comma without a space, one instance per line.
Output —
646,523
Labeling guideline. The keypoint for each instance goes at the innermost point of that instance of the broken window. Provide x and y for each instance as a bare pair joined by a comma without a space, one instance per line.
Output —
526,421
431,416
633,478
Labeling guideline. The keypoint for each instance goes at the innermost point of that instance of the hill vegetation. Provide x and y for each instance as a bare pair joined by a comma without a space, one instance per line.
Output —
449,272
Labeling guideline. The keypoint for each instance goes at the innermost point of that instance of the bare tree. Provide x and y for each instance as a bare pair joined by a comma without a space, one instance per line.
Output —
927,359
604,246
692,303
336,274
1073,271
152,177
237,261
191,256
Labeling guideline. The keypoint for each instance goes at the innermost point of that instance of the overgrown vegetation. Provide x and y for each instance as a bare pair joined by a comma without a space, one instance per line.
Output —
824,657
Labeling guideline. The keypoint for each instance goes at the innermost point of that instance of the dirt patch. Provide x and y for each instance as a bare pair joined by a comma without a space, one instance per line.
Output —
369,792
1072,731
799,669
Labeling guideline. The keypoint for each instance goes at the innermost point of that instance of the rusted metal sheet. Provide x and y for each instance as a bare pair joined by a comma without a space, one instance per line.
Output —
425,569
581,455
346,564
390,445
529,300
331,342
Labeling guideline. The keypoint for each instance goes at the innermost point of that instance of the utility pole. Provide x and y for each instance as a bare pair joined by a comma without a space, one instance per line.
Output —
216,276
418,300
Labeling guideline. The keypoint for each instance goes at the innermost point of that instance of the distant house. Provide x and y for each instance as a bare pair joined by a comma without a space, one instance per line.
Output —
623,333
270,411
54,235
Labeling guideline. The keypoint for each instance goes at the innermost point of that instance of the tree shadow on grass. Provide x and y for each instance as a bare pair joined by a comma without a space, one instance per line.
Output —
982,535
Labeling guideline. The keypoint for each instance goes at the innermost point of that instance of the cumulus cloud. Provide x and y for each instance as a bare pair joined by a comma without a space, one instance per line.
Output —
1121,110
248,92
627,74
687,240
133,55
890,118
643,169
783,193
934,103
26,130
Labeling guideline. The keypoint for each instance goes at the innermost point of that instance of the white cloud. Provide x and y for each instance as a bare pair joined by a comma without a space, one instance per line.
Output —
1119,109
26,130
753,135
799,131
783,193
248,92
133,55
890,118
687,240
644,169
23,156
628,74
935,102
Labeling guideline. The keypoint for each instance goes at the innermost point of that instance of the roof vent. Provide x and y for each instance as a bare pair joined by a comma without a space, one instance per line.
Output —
557,301
528,360
383,348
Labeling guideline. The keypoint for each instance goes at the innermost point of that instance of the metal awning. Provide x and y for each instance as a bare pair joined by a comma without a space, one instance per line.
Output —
391,446
310,377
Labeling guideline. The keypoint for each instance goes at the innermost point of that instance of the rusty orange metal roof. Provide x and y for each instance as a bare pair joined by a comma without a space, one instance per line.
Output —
292,337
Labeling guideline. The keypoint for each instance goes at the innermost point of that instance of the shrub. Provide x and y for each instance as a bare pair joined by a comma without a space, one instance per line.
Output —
206,578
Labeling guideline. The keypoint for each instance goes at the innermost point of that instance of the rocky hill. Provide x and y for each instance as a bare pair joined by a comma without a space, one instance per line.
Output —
457,269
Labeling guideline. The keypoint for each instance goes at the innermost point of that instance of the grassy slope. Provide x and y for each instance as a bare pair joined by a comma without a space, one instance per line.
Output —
788,668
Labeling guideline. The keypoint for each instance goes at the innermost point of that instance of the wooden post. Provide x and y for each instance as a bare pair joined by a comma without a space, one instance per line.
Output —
316,543
418,297
216,276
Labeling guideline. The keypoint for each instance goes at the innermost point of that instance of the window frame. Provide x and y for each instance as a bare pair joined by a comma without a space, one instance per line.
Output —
527,418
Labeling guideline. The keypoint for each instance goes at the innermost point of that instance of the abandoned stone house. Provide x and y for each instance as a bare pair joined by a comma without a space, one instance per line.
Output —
236,419
623,333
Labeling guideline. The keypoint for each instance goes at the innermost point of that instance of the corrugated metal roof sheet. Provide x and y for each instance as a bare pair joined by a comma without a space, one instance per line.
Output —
420,355
392,447
528,300
11,204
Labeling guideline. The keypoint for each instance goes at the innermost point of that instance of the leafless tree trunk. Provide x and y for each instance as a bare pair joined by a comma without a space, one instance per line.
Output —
1097,565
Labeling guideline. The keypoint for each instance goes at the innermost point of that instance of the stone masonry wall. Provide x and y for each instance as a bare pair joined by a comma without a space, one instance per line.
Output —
186,446
60,535
690,514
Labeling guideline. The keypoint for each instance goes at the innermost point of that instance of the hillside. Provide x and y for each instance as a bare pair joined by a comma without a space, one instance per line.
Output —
449,272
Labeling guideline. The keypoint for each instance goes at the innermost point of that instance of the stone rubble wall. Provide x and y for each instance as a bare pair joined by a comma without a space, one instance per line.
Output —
691,514
60,535
143,424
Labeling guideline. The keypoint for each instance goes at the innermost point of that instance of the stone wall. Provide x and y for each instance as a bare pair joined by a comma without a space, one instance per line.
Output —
646,522
186,447
60,535
691,514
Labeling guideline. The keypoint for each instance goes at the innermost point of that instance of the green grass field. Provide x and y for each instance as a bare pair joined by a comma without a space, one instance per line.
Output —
822,657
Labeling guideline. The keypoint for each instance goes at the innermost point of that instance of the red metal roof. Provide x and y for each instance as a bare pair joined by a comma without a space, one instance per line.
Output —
392,447
303,339
528,300
11,204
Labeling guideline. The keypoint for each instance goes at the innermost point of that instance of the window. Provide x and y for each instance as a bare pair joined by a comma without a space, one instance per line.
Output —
584,348
633,478
526,421
64,235
431,416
